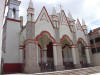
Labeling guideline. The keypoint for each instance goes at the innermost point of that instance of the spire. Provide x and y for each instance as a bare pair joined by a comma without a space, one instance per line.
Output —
70,15
83,22
30,4
30,11
84,26
53,11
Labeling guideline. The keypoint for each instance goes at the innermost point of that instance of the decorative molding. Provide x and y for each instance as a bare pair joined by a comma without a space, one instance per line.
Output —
47,15
44,18
43,32
13,20
66,37
67,20
82,40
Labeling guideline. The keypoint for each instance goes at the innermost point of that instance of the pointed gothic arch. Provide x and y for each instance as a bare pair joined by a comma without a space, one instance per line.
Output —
82,52
66,37
47,33
45,51
67,51
82,41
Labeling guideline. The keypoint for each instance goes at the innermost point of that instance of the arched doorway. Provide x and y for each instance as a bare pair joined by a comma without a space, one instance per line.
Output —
45,52
67,53
82,54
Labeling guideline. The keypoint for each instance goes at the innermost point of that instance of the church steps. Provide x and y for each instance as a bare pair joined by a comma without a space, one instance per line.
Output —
82,71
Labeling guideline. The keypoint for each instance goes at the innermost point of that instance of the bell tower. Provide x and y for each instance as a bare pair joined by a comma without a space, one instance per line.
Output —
13,11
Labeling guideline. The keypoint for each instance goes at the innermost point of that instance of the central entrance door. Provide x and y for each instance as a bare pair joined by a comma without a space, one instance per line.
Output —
46,60
50,59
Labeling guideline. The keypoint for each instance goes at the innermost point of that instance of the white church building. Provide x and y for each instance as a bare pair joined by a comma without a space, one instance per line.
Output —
50,42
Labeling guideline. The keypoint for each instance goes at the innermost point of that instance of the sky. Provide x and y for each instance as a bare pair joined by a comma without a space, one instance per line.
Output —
89,10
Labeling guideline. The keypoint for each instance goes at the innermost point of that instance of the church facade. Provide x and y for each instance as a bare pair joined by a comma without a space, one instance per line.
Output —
51,42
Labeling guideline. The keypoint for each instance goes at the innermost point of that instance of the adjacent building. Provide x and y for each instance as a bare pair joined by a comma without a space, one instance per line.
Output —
50,42
94,36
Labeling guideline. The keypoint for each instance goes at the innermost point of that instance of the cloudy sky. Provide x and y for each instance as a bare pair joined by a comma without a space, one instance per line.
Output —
89,10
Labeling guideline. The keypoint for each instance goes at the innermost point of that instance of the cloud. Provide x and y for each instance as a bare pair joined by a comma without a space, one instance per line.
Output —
86,9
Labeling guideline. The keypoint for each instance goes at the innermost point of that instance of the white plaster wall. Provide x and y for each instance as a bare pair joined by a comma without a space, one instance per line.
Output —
96,59
22,39
22,36
2,6
80,34
12,54
44,26
65,30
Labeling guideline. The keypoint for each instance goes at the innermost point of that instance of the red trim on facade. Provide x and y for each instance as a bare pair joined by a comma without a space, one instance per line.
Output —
43,32
30,9
53,16
73,46
67,20
82,40
21,47
46,19
12,68
13,20
30,41
67,37
89,48
30,14
47,15
57,44
81,27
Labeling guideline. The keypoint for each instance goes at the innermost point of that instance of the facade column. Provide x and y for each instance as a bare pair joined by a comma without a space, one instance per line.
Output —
87,51
44,58
75,56
31,57
57,53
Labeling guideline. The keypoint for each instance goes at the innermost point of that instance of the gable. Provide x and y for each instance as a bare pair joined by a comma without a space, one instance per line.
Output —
44,17
63,19
78,25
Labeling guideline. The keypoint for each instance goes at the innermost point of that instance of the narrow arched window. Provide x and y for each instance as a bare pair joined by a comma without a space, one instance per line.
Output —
13,13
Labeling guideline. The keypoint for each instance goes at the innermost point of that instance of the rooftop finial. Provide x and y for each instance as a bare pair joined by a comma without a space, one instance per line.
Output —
70,15
83,22
60,6
30,4
53,11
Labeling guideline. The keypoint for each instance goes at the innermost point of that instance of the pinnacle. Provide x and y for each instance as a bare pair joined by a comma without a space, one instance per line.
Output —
30,4
54,11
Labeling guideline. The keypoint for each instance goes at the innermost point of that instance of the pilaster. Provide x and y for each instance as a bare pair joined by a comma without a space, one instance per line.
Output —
58,60
31,57
75,56
87,51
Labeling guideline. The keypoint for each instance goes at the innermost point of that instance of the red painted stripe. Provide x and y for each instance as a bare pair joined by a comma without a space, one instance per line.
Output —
12,68
13,20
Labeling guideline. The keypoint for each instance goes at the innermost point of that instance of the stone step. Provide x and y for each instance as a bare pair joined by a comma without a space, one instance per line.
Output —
82,71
